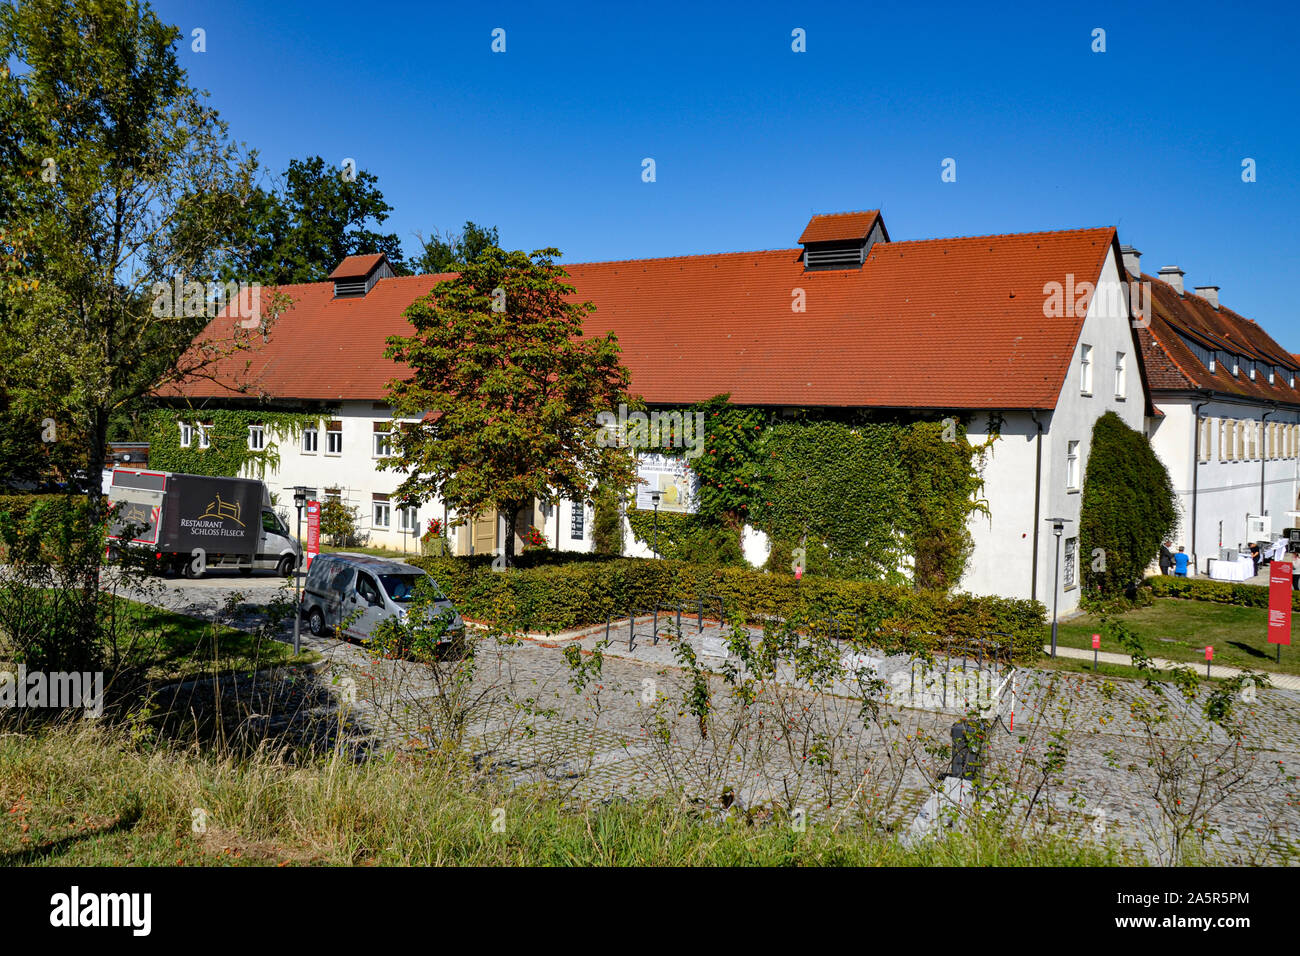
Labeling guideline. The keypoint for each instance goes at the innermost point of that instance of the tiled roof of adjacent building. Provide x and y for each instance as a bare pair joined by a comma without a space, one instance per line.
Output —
940,323
1172,363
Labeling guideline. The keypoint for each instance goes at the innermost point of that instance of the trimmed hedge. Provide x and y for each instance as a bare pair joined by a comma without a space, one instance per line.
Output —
553,597
1220,592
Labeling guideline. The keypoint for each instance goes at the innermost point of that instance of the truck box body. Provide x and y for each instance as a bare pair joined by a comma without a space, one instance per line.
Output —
174,514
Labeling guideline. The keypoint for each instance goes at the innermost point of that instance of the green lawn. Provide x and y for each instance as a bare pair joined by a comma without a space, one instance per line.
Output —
1179,630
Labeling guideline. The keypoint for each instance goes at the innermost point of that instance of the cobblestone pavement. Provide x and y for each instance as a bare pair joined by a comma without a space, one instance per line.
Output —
629,730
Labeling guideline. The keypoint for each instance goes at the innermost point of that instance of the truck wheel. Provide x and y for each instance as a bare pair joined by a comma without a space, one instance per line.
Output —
286,566
316,622
246,571
188,570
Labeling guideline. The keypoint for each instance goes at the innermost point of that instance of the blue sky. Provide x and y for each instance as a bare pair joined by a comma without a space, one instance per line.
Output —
546,140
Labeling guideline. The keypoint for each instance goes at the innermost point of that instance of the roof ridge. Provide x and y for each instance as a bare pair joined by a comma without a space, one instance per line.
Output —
1002,235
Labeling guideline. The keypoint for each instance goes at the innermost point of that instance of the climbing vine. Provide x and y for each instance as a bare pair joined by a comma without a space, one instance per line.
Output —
227,452
862,497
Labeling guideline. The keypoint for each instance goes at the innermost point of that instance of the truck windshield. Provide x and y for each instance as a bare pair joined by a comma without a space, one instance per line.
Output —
402,588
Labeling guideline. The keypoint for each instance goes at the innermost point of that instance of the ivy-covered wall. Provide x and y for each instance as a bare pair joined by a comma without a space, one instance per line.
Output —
863,497
228,450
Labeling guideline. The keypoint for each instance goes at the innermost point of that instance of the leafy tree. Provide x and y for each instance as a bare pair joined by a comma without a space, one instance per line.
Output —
513,387
320,218
117,177
1128,507
450,252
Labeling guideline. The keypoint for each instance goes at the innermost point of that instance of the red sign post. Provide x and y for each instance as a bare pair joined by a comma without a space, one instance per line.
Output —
313,531
1279,605
1096,644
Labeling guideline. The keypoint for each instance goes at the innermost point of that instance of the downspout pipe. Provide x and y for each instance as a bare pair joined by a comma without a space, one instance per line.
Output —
1263,457
1196,469
1038,494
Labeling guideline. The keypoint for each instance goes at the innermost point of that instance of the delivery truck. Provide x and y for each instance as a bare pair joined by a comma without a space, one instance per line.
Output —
195,522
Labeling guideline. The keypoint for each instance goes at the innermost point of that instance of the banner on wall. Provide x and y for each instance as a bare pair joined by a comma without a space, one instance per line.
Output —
672,478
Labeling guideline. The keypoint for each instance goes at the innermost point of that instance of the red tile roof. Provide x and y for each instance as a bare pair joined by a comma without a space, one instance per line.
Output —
356,267
1173,366
839,226
941,323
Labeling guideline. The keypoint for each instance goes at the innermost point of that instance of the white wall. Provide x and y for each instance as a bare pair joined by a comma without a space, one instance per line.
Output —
1227,490
1002,560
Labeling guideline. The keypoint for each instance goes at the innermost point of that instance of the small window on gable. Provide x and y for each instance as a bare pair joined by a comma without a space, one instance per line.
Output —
1085,369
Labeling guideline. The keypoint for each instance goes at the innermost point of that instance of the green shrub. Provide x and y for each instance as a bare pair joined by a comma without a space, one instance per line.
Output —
1128,508
1220,592
557,596
607,522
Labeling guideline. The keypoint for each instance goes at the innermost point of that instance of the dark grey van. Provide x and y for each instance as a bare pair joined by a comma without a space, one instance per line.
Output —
339,585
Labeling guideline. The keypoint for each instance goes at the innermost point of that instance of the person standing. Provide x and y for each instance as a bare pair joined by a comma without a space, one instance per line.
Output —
1255,556
1166,557
1180,563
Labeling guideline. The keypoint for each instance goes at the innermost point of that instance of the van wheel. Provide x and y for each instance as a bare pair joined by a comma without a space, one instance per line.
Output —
286,566
316,622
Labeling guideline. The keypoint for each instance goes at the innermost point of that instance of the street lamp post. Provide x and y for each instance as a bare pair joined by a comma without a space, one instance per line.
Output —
654,498
299,501
1058,525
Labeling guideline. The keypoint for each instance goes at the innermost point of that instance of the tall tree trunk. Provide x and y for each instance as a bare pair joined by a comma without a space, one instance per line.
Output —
512,518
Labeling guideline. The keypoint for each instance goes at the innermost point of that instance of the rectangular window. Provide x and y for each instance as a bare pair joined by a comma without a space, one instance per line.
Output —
579,514
381,511
310,440
1121,363
1072,466
1206,435
1240,450
1225,439
1085,369
333,438
256,438
205,434
1069,565
383,439
406,519
187,434
332,494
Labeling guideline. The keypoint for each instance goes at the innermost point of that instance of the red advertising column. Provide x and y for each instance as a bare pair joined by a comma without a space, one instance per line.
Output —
1279,604
313,532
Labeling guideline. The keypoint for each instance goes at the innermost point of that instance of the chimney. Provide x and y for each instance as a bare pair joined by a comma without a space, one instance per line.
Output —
1174,276
1132,261
1210,293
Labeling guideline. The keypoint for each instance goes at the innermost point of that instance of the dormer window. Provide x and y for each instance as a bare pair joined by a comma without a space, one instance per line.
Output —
355,276
841,240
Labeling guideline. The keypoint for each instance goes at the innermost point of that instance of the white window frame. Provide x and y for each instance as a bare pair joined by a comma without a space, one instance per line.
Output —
1121,376
187,434
1085,369
329,440
406,518
257,432
205,439
375,505
1070,564
387,437
1072,466
311,432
